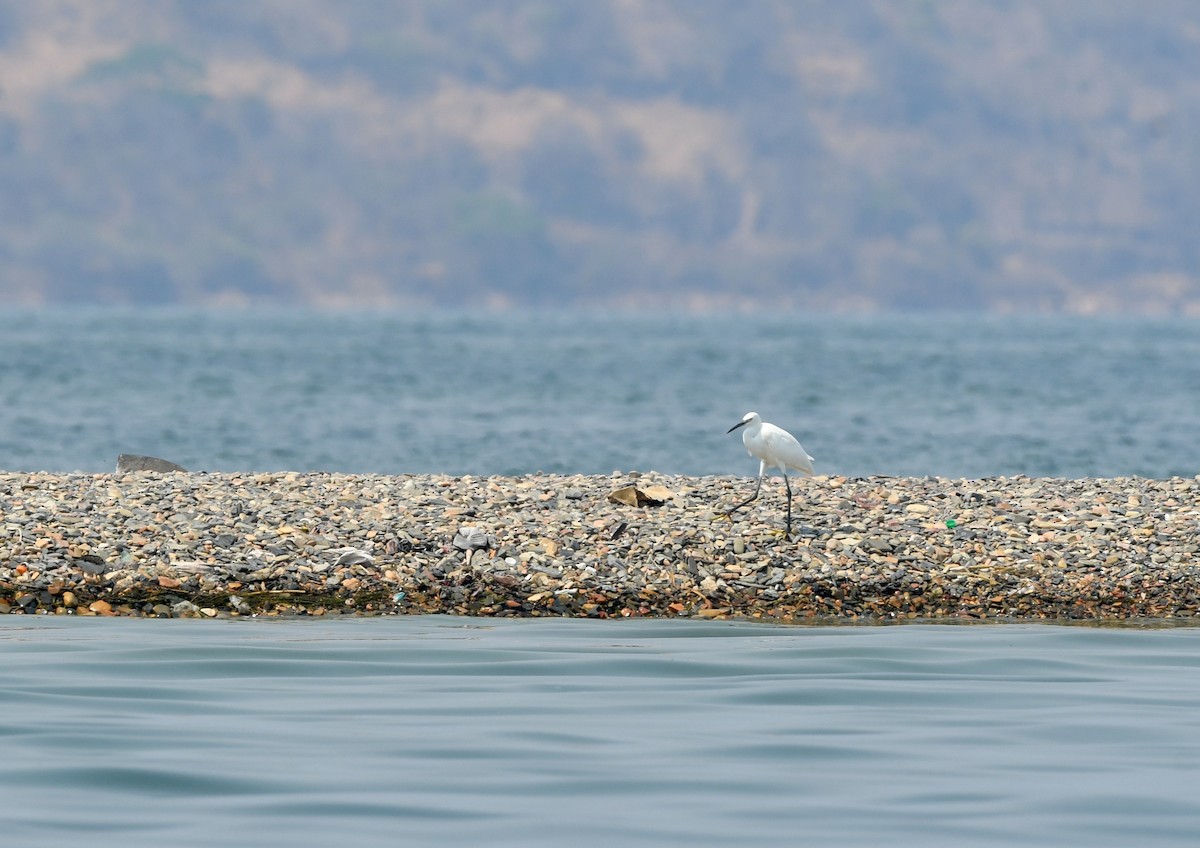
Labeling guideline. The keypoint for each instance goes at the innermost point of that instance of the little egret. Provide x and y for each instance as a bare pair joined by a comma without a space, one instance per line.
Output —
774,447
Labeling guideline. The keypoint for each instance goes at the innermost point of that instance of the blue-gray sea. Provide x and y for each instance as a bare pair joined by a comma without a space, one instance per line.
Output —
468,732
567,393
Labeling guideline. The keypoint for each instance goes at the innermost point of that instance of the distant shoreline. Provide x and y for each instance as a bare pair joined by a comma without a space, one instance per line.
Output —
871,549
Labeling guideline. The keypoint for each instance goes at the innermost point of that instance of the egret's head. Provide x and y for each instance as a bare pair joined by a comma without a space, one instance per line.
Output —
748,418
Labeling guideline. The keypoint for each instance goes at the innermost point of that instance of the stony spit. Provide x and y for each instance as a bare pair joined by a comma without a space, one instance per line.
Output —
875,549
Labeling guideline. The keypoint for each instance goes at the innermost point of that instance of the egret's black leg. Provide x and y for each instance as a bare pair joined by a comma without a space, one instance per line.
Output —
789,506
753,497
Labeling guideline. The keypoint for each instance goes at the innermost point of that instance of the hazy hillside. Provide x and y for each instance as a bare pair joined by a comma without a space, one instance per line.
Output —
1006,155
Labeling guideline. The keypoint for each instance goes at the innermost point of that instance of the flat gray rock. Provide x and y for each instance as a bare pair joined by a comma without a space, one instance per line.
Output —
472,539
133,462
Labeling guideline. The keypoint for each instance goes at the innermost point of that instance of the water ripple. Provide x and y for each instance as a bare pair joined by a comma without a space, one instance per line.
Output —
465,732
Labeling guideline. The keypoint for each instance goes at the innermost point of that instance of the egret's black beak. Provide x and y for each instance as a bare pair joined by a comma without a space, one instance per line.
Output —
735,426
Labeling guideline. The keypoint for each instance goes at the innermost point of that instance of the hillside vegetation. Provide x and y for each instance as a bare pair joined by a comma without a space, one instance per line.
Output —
1009,155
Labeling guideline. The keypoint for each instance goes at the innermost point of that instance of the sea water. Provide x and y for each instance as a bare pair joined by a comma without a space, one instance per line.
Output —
389,393
460,732
467,732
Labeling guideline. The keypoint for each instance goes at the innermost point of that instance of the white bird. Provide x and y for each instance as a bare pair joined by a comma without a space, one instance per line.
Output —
774,447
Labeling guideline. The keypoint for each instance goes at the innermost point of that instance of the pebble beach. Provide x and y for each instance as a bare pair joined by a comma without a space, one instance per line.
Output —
220,545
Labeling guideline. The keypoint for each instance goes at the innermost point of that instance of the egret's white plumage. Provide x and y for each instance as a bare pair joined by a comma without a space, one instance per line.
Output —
773,447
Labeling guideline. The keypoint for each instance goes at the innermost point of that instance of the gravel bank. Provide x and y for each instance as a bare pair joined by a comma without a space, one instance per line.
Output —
876,548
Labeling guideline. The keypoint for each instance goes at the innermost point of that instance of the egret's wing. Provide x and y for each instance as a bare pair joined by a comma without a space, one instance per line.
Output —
787,451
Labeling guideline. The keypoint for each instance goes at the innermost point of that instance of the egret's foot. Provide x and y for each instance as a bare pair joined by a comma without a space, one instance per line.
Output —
796,533
728,516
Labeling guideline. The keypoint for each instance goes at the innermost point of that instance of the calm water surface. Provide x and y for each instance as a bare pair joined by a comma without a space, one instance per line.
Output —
572,393
457,732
